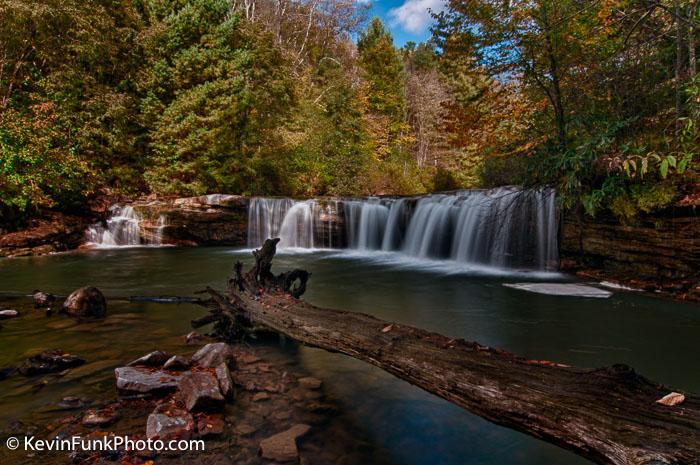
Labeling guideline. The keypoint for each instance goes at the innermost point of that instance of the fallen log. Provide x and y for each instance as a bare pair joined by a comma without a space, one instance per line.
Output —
608,415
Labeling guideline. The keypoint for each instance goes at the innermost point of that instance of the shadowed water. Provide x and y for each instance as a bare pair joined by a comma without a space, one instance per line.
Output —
657,337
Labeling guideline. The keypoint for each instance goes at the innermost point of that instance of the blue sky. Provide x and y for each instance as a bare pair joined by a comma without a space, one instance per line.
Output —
407,19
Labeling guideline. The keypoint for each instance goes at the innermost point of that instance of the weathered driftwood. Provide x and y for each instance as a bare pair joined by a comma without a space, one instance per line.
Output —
608,415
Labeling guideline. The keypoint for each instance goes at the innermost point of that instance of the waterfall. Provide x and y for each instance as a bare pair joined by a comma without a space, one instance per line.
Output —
265,218
504,227
160,227
305,224
122,228
366,222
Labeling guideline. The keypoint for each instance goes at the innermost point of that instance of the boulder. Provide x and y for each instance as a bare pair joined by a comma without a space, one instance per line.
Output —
177,363
223,375
43,299
5,314
86,302
145,380
213,355
200,391
49,361
282,447
169,423
153,359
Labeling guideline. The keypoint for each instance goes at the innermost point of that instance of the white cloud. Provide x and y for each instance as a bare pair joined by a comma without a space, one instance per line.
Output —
413,16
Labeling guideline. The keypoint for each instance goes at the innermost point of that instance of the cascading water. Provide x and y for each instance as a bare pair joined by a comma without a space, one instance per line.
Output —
305,224
503,227
122,228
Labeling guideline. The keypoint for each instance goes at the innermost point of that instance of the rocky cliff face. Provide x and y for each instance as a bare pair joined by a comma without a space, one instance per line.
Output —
203,220
55,232
654,254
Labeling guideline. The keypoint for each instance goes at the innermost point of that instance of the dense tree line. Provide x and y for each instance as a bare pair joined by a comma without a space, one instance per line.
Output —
309,97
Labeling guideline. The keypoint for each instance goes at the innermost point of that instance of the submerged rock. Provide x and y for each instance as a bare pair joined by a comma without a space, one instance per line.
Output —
169,423
213,355
86,302
145,381
5,314
102,417
200,391
310,383
71,402
49,361
210,425
562,289
153,359
43,299
6,372
282,447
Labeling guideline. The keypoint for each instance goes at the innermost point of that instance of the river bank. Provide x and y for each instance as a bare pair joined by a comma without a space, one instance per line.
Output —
658,254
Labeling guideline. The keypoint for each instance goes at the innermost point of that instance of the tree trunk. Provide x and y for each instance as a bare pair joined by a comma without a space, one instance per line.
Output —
692,30
609,415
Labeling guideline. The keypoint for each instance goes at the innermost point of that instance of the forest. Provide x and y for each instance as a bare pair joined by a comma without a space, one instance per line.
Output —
599,99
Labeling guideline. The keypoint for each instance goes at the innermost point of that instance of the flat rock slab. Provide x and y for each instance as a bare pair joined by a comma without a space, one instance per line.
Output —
169,423
145,380
563,289
282,447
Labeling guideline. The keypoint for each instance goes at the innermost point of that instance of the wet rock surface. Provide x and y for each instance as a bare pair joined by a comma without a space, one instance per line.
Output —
145,380
176,363
154,359
43,299
86,302
200,391
213,355
7,314
170,423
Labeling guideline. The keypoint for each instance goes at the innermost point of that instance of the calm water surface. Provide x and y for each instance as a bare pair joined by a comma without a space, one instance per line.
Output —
657,337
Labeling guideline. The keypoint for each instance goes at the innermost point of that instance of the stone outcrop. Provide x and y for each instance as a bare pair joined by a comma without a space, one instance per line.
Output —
656,253
54,232
205,220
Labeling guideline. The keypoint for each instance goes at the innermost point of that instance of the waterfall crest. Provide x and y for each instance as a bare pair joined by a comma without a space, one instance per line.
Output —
504,227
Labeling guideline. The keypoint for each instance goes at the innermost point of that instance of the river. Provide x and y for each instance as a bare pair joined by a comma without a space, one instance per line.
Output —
404,424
